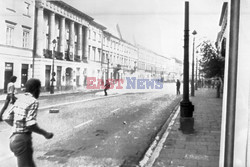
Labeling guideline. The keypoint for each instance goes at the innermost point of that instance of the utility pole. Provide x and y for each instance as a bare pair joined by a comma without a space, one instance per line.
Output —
186,107
192,81
196,73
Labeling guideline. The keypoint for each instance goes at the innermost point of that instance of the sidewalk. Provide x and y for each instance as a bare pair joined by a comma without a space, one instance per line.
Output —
200,149
56,92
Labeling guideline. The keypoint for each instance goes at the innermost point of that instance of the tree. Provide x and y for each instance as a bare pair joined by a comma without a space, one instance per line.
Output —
212,65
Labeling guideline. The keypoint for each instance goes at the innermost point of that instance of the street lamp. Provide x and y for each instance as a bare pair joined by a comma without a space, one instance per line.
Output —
186,107
53,72
196,73
192,82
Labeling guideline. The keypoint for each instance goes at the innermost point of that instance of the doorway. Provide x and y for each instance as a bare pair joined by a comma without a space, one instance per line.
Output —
47,77
24,74
7,74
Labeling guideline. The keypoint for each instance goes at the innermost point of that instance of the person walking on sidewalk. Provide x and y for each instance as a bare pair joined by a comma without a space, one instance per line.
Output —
106,87
22,116
10,98
178,85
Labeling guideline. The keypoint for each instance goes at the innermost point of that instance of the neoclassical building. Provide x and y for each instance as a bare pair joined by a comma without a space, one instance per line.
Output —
67,55
52,40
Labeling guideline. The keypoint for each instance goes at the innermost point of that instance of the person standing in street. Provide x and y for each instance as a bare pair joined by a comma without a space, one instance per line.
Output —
10,98
22,117
106,87
178,85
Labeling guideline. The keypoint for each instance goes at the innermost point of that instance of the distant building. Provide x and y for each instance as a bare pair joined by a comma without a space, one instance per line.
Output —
42,39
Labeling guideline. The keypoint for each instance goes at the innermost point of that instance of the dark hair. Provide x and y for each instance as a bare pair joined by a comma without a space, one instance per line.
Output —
33,86
13,78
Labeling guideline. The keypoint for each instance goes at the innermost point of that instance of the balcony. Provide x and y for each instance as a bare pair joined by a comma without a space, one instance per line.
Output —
77,58
47,53
58,55
85,59
69,56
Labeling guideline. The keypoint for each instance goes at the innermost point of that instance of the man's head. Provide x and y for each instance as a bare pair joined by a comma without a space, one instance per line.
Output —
33,86
13,79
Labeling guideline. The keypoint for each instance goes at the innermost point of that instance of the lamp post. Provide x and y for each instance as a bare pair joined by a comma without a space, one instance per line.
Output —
53,72
196,83
192,81
186,107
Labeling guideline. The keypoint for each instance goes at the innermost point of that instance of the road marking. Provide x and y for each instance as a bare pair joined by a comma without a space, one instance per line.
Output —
73,102
115,110
84,123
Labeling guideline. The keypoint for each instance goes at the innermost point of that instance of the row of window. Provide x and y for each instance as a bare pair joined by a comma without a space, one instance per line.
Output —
10,35
107,42
95,55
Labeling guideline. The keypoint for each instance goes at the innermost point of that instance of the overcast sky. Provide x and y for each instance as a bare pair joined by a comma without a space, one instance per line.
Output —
156,24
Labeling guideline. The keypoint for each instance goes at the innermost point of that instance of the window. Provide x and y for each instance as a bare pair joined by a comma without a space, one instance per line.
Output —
26,34
89,33
94,53
94,38
89,52
9,35
27,9
99,40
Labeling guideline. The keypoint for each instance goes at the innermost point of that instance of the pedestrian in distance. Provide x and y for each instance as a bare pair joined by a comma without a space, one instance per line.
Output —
106,87
10,98
22,117
218,86
178,85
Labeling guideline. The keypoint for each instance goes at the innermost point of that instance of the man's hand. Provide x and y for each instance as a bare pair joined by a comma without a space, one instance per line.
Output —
48,135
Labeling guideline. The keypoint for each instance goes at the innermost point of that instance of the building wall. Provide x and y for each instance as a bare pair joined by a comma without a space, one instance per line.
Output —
16,40
82,47
242,114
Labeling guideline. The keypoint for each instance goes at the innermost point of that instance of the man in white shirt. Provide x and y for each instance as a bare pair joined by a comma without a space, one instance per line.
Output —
10,98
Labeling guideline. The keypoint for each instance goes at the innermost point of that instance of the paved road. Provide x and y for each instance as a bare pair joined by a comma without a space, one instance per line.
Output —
93,130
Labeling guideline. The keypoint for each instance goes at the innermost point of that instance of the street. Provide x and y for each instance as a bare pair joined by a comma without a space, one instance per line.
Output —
93,130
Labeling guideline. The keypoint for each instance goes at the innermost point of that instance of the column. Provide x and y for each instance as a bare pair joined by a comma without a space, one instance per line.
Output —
86,42
71,40
39,34
62,36
51,30
79,41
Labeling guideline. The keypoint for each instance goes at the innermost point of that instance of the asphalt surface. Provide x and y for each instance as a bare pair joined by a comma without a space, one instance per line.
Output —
93,130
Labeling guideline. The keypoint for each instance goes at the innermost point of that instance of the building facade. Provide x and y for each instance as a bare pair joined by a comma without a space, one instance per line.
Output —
16,41
60,45
240,131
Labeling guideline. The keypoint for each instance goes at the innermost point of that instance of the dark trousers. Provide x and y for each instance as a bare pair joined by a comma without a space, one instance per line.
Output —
105,91
178,91
21,146
8,99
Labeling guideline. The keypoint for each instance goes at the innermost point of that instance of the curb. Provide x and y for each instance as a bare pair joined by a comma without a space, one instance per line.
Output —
57,94
149,157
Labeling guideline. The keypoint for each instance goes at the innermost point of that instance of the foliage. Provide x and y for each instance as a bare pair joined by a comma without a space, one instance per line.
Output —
212,65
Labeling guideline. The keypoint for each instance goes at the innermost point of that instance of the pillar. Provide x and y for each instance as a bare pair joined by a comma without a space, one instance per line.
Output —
62,36
39,35
71,39
79,41
51,30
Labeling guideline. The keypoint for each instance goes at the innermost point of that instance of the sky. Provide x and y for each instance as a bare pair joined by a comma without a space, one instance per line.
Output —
156,24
